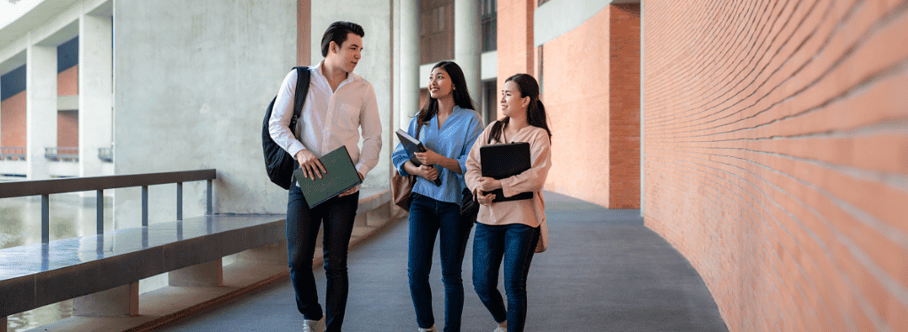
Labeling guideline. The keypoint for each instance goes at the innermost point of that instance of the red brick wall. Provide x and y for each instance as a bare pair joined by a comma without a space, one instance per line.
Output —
575,91
624,107
68,129
68,82
303,32
776,157
515,40
591,89
12,121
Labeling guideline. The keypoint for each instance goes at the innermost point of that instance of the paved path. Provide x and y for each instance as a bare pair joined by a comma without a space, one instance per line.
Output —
604,271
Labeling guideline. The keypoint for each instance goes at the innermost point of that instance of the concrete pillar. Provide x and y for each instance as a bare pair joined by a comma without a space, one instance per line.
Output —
409,61
95,92
275,254
41,107
210,274
379,216
119,301
467,45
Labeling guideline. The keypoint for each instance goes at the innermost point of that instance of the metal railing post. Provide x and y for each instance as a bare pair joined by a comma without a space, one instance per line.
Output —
208,210
100,211
144,206
179,201
45,218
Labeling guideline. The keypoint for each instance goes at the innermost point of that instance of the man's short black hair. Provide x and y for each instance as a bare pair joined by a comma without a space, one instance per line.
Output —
337,33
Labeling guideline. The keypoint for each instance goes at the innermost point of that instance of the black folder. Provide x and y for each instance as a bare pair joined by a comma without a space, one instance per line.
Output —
503,160
341,177
413,145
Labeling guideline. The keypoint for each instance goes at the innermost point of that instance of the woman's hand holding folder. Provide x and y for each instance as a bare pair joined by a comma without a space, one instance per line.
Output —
485,185
427,172
428,157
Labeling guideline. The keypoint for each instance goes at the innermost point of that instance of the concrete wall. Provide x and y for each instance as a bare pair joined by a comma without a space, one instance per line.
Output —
12,121
192,83
375,66
777,157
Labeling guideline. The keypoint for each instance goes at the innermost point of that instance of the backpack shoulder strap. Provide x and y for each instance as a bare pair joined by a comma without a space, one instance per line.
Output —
302,89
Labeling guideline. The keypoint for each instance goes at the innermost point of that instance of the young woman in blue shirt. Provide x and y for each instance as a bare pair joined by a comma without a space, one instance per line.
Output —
448,127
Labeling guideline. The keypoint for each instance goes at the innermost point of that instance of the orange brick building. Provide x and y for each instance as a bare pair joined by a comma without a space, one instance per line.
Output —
590,83
774,143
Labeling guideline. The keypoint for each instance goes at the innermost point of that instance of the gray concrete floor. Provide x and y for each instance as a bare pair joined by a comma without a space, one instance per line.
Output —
604,271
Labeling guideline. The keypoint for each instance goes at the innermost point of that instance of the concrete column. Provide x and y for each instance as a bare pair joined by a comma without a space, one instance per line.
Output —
409,61
95,92
119,301
41,107
467,45
274,254
210,274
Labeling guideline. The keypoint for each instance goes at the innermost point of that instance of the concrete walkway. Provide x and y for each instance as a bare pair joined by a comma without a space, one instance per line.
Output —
604,271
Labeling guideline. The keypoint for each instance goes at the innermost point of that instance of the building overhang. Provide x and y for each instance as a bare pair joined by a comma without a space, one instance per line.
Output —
557,17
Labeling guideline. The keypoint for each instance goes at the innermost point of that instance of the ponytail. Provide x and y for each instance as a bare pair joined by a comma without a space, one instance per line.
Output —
497,129
536,116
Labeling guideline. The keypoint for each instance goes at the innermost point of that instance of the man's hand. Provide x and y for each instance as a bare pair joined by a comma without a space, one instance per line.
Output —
482,198
488,184
428,157
310,164
428,172
353,190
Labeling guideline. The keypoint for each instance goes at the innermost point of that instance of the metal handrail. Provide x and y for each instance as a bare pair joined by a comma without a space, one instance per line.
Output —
45,188
64,153
18,153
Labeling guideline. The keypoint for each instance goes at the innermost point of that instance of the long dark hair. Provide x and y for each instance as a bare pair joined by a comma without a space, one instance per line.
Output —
461,95
535,111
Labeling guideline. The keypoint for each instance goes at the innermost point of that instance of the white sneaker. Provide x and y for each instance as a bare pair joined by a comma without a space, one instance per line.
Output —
501,329
431,329
314,325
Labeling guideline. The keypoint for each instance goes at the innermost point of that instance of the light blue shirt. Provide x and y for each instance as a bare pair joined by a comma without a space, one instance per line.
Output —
454,140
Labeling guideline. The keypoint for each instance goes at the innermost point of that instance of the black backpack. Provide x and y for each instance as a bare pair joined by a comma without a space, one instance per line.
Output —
278,163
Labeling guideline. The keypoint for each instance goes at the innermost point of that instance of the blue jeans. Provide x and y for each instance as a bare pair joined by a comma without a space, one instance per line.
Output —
338,215
515,243
429,217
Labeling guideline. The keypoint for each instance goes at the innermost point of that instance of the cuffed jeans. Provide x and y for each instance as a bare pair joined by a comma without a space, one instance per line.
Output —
429,217
338,215
516,244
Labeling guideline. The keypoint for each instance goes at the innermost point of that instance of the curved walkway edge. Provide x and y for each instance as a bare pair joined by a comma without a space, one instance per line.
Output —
604,271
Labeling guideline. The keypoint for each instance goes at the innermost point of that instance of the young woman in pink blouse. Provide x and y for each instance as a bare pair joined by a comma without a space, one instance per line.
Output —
510,230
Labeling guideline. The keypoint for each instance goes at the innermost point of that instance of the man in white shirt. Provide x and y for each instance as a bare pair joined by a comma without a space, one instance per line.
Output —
338,103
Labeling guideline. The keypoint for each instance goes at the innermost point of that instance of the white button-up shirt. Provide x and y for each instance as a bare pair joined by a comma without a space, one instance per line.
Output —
329,119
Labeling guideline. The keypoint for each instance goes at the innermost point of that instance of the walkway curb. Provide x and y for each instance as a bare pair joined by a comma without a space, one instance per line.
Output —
213,297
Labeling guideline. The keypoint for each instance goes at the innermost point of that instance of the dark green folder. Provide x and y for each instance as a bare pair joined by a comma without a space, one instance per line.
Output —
341,177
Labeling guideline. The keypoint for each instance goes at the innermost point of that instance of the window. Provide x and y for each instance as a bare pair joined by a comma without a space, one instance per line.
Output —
488,13
436,30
